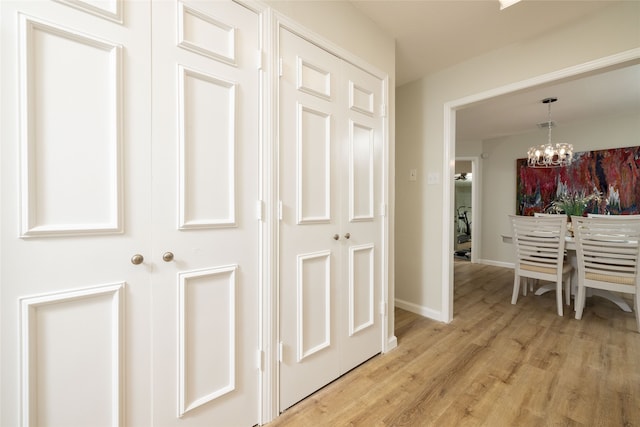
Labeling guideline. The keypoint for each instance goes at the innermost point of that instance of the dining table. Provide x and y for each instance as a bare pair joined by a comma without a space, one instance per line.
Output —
570,248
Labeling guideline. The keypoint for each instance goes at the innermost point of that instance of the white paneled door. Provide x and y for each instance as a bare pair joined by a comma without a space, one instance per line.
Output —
129,274
330,232
205,220
75,210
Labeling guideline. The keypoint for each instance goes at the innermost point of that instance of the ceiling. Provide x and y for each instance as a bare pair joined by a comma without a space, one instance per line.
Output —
610,93
432,35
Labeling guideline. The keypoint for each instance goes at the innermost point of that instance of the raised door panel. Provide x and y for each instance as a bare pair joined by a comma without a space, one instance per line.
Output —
313,166
206,335
313,304
362,290
69,113
71,339
207,150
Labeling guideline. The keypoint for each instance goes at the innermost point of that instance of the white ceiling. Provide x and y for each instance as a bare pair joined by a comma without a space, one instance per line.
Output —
432,35
611,93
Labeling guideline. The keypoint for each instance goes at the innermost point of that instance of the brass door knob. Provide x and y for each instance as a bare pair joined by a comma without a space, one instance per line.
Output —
346,236
137,259
167,256
336,237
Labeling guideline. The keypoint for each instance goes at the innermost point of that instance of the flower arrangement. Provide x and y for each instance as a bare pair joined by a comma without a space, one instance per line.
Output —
574,203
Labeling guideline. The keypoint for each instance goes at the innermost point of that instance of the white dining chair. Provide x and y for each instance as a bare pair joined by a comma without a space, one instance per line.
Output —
539,244
608,254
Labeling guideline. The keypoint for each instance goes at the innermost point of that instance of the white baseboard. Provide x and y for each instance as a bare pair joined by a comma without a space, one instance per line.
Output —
436,314
418,309
497,263
391,344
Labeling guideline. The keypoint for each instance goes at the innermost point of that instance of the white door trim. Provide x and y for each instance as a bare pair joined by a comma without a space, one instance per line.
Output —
449,152
266,213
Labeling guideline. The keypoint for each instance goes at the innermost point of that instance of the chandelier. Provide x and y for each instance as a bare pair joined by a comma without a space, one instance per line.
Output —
550,155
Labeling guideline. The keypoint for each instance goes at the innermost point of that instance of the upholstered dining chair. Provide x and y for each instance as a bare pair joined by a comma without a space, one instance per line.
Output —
539,244
608,254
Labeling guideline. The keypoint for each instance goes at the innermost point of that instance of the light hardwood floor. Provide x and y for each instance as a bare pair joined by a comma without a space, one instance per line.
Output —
495,365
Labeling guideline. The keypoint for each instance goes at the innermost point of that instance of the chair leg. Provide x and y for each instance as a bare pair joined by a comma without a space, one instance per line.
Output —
567,289
559,297
579,301
516,288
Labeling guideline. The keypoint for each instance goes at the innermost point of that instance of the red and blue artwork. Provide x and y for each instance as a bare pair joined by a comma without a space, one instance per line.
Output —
612,174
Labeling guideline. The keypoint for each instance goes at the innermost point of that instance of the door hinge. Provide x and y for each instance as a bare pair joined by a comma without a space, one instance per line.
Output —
280,66
261,360
260,210
280,351
383,110
259,59
280,215
383,308
383,209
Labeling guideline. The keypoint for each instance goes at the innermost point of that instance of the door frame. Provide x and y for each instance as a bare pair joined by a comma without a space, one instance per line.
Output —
449,151
270,387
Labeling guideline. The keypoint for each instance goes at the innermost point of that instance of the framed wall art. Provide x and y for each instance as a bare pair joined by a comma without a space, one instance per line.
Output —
602,181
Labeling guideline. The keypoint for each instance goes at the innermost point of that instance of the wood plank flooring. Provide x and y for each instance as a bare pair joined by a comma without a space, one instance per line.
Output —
495,365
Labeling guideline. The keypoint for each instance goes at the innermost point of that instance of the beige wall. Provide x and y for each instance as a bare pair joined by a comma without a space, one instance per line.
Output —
499,179
345,26
420,134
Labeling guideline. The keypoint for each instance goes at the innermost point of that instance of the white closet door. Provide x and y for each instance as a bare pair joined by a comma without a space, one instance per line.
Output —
75,209
309,255
205,222
362,177
330,185
85,341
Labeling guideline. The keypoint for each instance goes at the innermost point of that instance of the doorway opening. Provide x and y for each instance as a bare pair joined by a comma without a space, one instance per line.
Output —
597,66
466,208
463,183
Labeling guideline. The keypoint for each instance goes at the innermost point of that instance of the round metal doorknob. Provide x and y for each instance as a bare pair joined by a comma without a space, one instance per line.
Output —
137,259
167,256
336,237
346,236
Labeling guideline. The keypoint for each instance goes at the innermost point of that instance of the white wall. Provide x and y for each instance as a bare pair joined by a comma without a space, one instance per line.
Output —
468,149
420,133
345,26
499,183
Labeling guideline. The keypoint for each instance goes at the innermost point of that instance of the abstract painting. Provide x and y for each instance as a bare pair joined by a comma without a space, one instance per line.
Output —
609,179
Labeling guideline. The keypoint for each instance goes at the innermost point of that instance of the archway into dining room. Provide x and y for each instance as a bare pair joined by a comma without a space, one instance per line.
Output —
452,152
